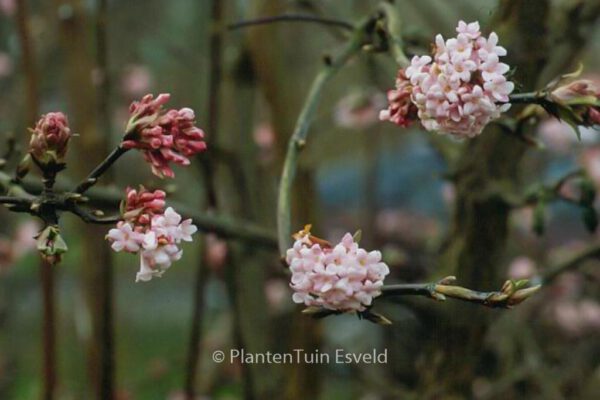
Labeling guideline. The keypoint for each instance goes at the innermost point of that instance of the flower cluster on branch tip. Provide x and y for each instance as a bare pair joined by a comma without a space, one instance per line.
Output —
341,277
458,90
163,137
150,230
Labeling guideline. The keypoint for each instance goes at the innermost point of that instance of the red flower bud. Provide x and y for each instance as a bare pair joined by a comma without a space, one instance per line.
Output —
140,205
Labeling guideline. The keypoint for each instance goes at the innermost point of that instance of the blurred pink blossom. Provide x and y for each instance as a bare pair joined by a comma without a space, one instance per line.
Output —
6,65
448,193
22,242
401,224
8,7
521,268
264,136
522,219
590,160
577,318
277,292
25,237
136,80
556,135
216,252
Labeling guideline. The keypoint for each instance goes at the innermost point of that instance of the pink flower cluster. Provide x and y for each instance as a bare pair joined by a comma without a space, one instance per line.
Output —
343,277
459,90
163,136
150,230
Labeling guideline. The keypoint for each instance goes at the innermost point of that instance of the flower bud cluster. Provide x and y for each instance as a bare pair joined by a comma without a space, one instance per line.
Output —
164,137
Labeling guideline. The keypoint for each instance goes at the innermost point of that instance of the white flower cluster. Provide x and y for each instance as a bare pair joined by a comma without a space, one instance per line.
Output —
156,242
343,278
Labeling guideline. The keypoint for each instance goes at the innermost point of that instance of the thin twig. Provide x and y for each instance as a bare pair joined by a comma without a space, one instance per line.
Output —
298,138
527,98
292,18
510,294
90,218
223,226
92,178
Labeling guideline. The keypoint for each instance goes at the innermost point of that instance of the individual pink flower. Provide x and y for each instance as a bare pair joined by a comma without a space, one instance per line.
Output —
459,90
164,137
151,231
470,30
50,139
343,277
124,237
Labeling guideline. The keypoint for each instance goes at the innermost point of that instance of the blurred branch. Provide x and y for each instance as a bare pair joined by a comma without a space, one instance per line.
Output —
29,69
11,200
298,138
208,172
576,260
291,18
